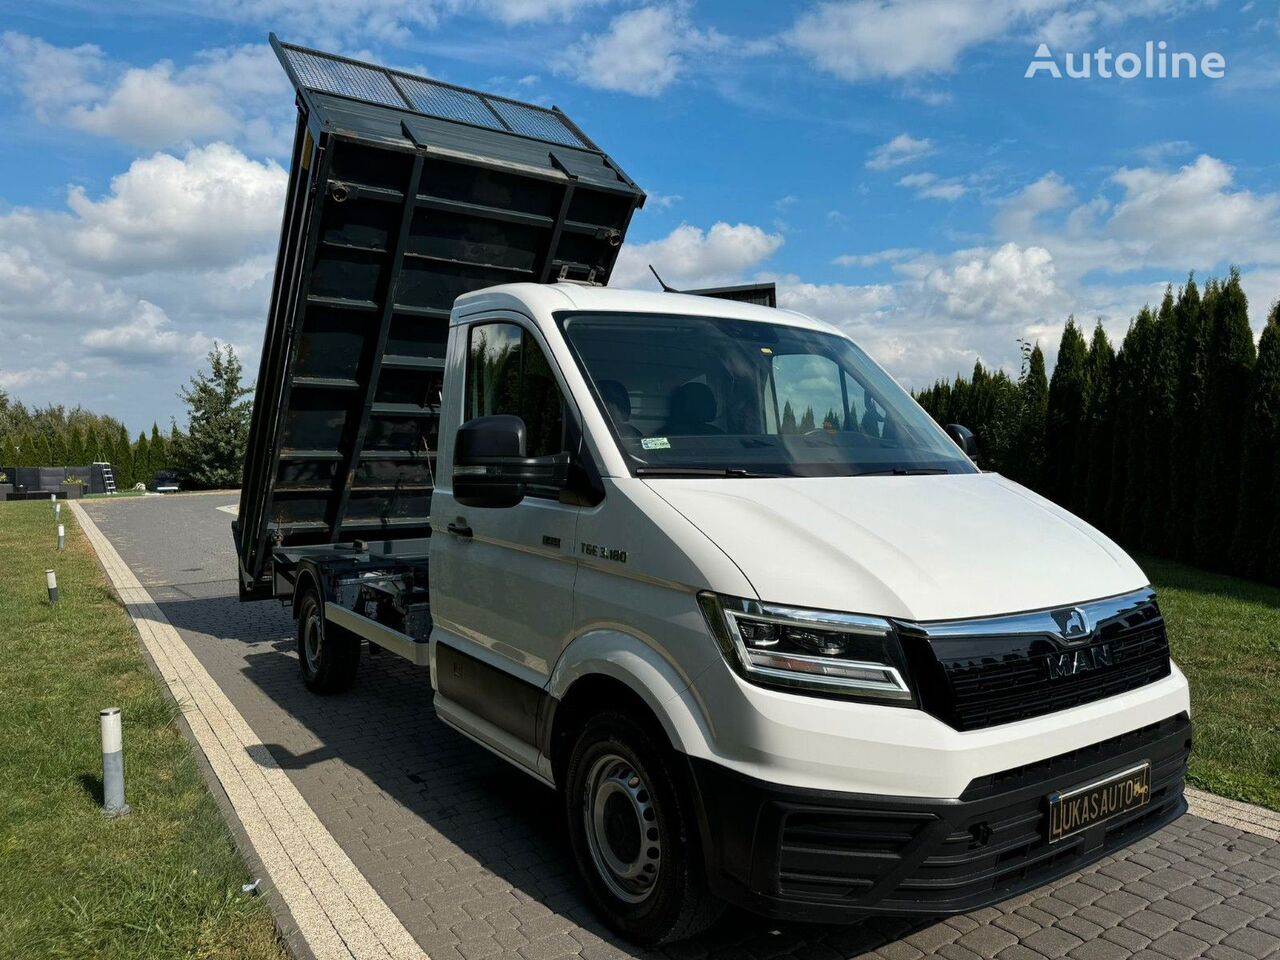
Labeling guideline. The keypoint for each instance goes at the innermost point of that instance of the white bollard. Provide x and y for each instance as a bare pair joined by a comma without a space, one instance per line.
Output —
51,580
62,538
113,804
57,510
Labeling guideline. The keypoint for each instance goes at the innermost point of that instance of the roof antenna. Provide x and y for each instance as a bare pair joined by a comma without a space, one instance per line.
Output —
662,283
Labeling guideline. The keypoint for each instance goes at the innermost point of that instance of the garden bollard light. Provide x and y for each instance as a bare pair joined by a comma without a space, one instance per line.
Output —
113,804
62,538
51,579
57,510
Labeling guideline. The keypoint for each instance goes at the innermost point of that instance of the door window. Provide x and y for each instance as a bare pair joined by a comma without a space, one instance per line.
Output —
507,372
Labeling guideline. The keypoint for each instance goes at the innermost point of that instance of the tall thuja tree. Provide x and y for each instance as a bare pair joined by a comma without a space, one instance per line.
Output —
1231,356
1122,423
1130,461
1064,420
1191,321
1033,406
57,448
1158,407
1093,476
142,468
76,456
26,447
1258,518
789,418
212,451
159,449
122,459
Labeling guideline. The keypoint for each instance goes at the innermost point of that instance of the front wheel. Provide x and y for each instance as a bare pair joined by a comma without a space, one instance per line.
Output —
329,655
633,833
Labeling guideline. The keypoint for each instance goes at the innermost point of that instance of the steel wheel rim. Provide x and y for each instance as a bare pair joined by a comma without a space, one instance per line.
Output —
622,830
312,641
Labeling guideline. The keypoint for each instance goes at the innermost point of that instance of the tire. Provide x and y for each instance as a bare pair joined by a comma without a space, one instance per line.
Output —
634,835
329,655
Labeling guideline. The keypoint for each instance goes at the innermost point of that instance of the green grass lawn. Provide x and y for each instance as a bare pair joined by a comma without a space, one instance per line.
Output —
163,881
1225,634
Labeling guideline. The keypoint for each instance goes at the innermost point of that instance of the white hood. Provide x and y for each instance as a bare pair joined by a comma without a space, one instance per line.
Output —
919,548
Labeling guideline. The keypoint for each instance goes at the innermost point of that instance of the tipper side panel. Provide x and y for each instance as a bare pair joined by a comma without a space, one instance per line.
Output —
392,214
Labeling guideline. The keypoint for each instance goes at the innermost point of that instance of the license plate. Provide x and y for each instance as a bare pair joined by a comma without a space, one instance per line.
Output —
1071,811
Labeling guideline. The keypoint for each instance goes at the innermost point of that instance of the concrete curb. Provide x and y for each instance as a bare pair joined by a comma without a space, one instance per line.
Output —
1233,813
338,913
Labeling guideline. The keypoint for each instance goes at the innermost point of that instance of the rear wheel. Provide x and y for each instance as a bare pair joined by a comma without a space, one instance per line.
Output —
633,833
329,655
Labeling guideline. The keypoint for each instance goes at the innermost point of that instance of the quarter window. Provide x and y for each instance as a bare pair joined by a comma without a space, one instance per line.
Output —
507,372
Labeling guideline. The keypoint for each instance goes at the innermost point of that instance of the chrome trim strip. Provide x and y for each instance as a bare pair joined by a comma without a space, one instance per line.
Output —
1033,623
828,620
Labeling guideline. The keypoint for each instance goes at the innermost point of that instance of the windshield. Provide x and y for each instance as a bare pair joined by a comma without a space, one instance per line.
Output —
708,396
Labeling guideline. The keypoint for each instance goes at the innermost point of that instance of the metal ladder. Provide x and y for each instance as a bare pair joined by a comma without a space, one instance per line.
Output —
108,477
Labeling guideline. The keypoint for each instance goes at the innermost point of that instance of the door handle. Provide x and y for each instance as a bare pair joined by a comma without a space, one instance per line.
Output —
460,529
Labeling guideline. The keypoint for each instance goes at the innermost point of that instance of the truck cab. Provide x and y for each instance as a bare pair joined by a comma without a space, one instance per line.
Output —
855,663
700,565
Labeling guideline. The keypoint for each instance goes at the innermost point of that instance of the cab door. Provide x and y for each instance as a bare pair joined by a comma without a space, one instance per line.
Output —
502,579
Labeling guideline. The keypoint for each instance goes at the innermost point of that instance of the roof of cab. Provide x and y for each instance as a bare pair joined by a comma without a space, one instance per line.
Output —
545,298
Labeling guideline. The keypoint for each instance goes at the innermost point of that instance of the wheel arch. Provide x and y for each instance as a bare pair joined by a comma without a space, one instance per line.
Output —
308,579
608,669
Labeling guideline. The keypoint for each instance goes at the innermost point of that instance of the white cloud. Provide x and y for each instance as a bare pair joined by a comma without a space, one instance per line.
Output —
514,12
642,52
340,24
1011,281
50,77
903,148
901,39
1193,213
1194,216
662,201
692,257
148,334
148,109
332,24
932,187
205,209
1018,213
135,282
891,255
231,93
56,370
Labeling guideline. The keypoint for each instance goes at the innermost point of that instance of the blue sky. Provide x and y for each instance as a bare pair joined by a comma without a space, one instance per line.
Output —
886,161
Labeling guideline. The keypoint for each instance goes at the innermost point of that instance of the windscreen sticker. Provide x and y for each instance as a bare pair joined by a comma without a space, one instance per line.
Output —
655,443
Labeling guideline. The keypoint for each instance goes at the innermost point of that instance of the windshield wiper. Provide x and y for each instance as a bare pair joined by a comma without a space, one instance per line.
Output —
701,472
903,472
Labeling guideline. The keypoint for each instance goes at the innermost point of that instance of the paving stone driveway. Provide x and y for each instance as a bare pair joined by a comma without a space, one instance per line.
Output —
472,857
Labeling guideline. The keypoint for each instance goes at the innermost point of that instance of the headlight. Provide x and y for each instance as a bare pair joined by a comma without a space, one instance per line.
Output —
835,653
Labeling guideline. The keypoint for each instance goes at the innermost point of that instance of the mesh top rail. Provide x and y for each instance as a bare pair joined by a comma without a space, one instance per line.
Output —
372,84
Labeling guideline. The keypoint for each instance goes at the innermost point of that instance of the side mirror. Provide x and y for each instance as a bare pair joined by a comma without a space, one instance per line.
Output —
964,439
490,468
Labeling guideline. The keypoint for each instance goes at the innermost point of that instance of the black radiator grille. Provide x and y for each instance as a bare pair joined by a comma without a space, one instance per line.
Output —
986,681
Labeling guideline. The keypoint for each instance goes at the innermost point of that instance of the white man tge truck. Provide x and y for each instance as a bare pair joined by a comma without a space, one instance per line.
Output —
698,564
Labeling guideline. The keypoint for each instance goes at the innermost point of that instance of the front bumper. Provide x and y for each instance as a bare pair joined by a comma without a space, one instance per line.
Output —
819,855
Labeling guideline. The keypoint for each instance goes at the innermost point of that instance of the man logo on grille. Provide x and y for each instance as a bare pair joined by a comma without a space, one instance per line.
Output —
1073,624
